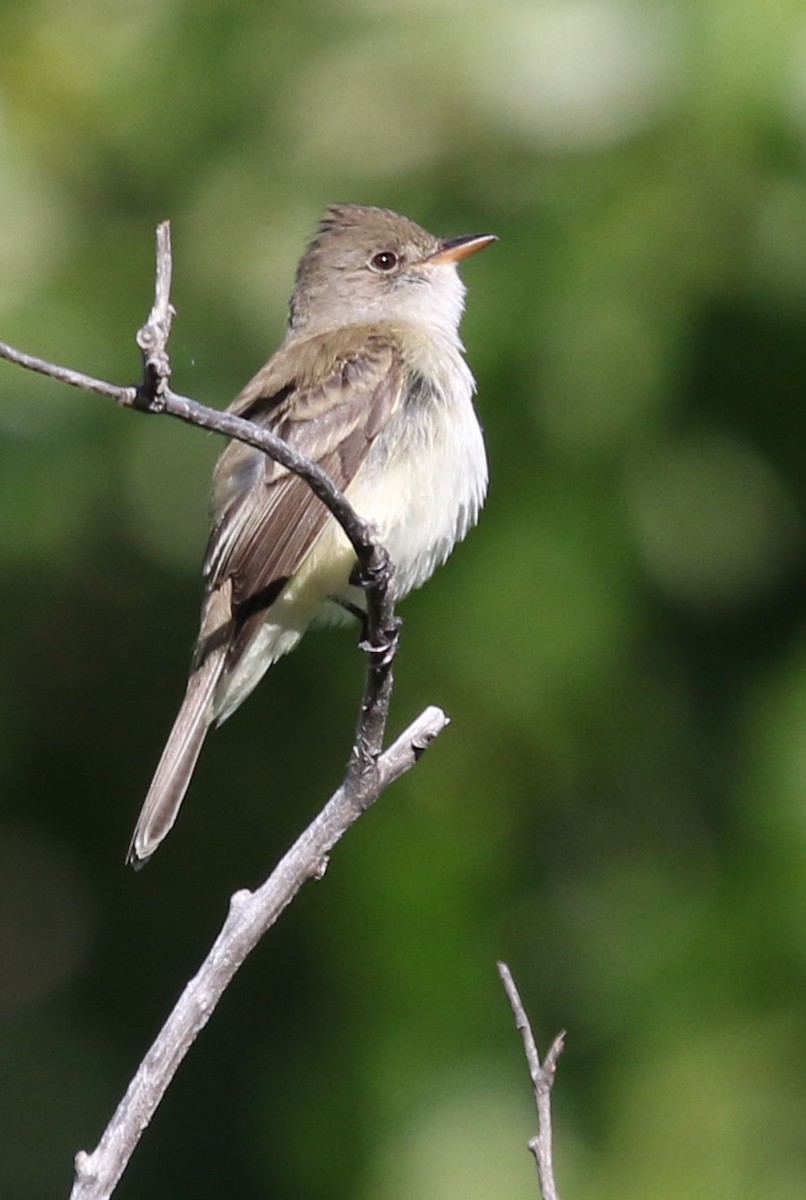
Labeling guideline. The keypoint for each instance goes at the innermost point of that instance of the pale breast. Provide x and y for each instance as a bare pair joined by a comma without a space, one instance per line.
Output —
425,479
422,484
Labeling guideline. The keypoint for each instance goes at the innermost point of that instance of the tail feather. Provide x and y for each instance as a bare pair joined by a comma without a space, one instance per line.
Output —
176,766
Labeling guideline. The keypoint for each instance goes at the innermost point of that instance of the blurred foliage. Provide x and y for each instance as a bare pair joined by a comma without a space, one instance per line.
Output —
619,807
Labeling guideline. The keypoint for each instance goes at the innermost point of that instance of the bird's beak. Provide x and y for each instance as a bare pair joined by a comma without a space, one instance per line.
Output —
453,250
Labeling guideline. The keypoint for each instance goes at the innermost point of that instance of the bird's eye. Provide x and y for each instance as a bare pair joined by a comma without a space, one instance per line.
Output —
387,260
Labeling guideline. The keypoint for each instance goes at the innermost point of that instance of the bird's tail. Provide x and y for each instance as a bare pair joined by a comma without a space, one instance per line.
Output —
178,761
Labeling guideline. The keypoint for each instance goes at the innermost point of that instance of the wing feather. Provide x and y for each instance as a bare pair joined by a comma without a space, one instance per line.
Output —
267,517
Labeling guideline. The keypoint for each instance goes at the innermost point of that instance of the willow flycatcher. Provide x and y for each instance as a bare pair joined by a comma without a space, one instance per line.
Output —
371,383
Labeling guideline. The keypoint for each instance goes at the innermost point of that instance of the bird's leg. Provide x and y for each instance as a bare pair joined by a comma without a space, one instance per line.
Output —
383,648
380,627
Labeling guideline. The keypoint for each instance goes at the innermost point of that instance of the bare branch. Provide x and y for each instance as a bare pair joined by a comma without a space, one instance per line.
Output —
542,1075
123,395
369,772
153,337
250,915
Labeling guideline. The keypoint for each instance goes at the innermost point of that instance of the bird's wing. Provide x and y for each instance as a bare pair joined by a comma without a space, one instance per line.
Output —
330,409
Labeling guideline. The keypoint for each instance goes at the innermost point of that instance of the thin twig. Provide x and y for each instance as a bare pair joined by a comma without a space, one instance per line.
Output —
250,915
153,337
370,771
123,395
542,1075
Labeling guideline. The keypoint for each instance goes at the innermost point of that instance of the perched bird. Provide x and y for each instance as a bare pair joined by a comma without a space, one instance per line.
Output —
371,383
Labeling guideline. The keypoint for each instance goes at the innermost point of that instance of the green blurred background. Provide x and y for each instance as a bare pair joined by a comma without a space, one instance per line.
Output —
619,806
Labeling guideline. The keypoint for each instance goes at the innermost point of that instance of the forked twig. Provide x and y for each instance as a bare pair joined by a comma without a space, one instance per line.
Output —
542,1075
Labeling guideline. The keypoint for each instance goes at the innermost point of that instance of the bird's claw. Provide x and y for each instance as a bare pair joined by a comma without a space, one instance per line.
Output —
383,648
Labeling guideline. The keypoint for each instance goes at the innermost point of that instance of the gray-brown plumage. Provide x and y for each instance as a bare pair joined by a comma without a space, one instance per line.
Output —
371,383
